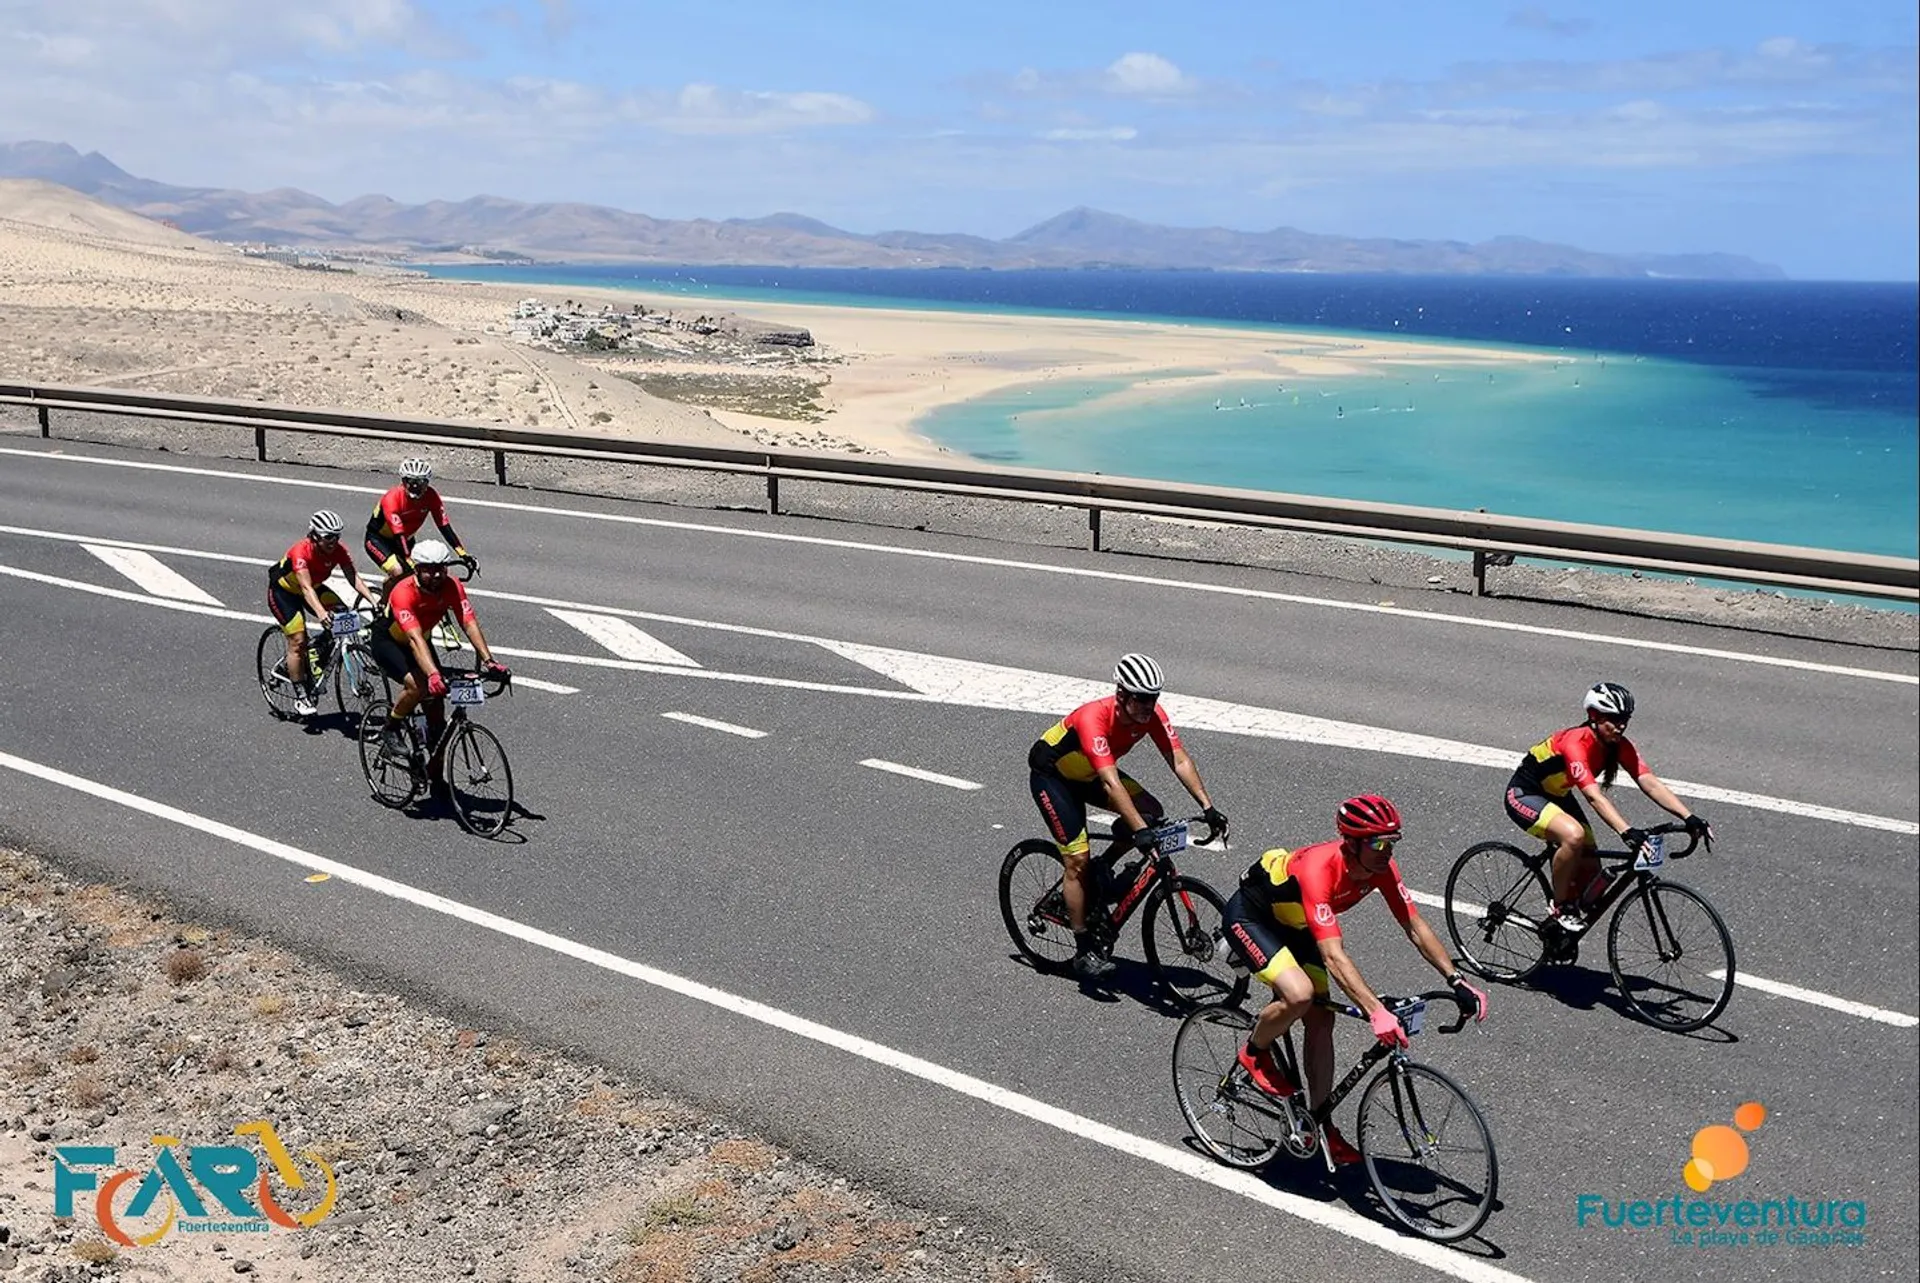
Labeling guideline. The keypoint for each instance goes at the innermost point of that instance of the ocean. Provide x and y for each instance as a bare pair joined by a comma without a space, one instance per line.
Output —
1778,411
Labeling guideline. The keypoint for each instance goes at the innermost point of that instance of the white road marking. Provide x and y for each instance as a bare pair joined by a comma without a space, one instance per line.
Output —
1328,1216
1079,572
914,772
150,573
622,638
939,679
1899,1020
745,732
219,612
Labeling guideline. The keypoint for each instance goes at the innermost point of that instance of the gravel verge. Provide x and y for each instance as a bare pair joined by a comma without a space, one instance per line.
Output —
459,1153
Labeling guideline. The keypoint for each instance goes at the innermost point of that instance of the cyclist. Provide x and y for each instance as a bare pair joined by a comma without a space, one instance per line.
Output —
297,584
398,516
1284,923
401,647
1540,798
1074,763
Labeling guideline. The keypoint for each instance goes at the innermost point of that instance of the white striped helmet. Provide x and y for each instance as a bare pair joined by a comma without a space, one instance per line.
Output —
416,471
325,522
1610,699
431,552
1138,675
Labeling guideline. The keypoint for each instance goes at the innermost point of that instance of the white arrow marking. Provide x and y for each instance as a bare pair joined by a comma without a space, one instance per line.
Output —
147,571
622,638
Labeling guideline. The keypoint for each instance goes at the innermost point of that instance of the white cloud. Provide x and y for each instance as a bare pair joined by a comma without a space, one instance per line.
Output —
1115,133
1147,75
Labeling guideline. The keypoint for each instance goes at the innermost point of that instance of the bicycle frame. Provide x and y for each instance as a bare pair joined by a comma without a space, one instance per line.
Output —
1631,878
1322,1114
1159,865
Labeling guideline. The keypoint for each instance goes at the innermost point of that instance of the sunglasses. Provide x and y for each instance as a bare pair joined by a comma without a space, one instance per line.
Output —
1144,701
1382,846
326,538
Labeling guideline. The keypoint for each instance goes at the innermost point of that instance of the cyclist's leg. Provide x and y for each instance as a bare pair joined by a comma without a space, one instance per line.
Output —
1065,815
1144,802
1560,823
384,551
290,614
393,660
1575,861
1265,947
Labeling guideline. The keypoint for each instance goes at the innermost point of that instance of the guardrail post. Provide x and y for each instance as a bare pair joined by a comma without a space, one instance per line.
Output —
500,467
45,430
1479,572
773,495
1093,524
260,444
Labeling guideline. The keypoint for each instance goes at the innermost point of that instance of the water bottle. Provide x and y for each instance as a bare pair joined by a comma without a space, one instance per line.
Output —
419,720
1595,889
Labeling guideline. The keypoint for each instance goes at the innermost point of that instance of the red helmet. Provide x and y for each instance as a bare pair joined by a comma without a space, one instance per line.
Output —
1367,816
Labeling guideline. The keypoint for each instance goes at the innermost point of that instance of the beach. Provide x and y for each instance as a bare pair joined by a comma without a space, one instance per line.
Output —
95,296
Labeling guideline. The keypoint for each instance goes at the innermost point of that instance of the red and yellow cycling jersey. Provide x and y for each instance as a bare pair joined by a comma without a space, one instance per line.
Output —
1313,886
1571,759
318,562
410,606
400,513
1092,737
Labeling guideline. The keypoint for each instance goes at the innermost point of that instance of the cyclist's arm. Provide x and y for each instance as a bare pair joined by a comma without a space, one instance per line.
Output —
471,627
1603,807
1334,954
359,585
422,653
1663,797
1189,776
1119,799
308,591
439,514
1430,947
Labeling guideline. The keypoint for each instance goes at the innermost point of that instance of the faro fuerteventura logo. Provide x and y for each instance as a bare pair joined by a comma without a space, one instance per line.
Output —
1719,1154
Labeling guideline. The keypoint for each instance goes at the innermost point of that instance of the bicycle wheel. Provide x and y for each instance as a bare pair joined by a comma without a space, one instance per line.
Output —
1671,956
1034,906
1497,896
270,666
1232,1119
479,780
392,777
1428,1152
1185,921
358,682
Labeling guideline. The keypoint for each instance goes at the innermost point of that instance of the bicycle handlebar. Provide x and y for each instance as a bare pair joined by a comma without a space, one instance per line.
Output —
1399,1006
1693,840
497,685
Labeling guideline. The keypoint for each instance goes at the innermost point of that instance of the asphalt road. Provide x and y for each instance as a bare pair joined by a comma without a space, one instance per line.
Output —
782,870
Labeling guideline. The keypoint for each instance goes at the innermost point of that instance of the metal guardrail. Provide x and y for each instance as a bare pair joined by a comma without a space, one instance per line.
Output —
1493,539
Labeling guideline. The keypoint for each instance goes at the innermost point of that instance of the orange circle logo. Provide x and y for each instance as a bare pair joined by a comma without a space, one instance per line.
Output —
1720,1152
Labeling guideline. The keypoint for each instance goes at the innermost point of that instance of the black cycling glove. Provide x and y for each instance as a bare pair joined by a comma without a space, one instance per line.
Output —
1699,829
1144,839
1216,820
1635,839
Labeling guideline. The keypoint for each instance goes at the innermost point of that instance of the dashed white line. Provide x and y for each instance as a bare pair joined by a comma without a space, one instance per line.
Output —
1780,989
1326,1215
712,724
1078,572
914,772
158,578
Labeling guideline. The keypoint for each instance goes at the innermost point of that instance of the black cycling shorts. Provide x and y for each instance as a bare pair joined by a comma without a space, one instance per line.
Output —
1063,805
395,658
1269,947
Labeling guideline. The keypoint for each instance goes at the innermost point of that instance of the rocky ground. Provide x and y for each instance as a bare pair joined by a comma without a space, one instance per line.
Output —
458,1153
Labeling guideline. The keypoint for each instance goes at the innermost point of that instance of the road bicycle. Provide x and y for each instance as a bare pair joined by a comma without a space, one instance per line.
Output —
1669,950
1425,1144
472,762
337,655
1184,922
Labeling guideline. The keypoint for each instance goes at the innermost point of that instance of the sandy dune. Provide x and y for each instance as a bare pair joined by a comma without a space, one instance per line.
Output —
95,295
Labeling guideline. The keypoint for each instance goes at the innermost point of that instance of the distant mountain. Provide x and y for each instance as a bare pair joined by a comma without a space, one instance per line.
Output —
567,231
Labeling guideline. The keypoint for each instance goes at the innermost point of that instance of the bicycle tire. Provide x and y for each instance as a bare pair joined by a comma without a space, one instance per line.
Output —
1032,905
1656,906
1486,889
358,682
1400,1148
1180,953
479,780
392,782
275,688
1232,1120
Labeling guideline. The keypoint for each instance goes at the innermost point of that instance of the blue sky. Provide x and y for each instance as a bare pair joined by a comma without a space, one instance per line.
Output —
1783,131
